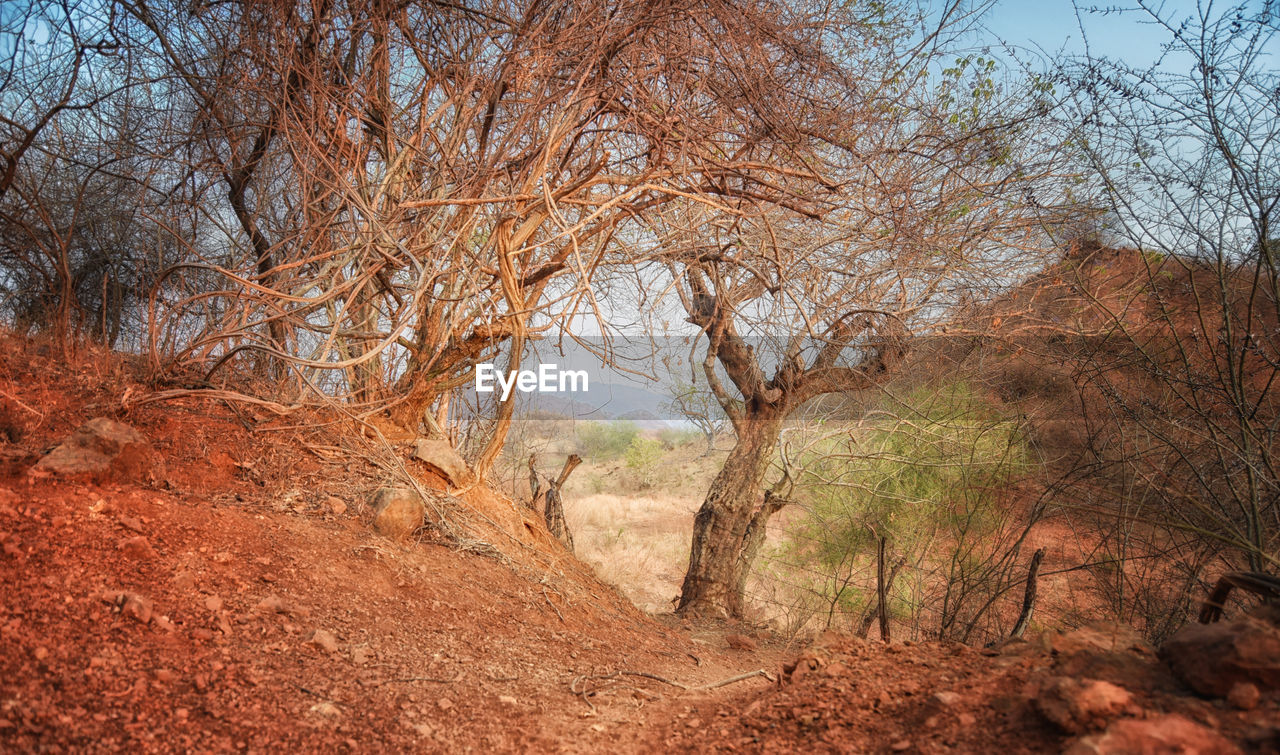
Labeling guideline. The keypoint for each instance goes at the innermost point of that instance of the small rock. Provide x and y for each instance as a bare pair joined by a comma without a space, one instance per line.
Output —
100,449
130,522
165,675
323,640
213,603
326,709
163,623
184,580
967,720
1104,637
444,703
41,653
137,548
360,656
1244,695
507,700
271,604
337,506
901,745
1166,734
137,608
223,557
740,642
115,597
202,634
947,699
1080,705
397,512
439,455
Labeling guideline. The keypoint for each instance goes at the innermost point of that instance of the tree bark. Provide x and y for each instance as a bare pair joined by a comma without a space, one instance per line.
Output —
872,613
882,592
535,486
554,513
1029,597
729,528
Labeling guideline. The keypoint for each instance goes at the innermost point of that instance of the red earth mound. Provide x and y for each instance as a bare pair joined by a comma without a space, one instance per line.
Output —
240,601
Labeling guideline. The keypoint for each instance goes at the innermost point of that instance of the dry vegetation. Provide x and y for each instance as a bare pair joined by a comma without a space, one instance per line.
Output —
957,329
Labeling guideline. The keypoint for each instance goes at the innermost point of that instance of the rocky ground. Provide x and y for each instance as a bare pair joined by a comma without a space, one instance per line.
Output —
220,585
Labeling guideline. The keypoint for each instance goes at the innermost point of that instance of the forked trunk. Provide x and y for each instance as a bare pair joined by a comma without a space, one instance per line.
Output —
729,528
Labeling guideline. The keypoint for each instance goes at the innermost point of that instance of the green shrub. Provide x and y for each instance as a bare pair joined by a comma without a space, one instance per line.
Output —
602,441
925,472
643,458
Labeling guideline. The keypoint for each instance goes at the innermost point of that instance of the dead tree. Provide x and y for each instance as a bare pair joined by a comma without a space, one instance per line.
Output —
1029,596
420,187
554,513
535,482
1264,586
890,216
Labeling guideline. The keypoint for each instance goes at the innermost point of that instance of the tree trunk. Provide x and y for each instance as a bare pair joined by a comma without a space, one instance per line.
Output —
873,613
729,528
554,513
882,592
1029,596
535,485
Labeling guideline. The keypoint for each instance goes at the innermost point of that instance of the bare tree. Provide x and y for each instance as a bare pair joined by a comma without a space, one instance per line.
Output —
415,188
894,206
700,408
73,177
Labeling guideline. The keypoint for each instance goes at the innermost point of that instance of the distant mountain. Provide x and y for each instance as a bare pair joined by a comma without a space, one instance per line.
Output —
601,401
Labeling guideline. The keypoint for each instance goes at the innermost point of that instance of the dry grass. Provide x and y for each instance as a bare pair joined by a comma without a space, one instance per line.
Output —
639,543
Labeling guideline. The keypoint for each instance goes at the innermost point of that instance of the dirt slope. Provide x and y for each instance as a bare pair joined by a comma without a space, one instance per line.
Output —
241,602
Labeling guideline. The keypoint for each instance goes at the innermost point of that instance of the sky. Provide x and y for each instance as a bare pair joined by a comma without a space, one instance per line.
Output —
1117,30
1052,25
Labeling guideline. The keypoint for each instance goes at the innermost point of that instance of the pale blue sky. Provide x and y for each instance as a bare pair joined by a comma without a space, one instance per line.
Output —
1052,25
1118,30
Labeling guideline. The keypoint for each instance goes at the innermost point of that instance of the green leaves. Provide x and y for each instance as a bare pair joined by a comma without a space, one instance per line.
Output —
914,466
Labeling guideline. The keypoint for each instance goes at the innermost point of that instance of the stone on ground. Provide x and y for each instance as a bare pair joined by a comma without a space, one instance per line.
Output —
439,455
1167,734
397,512
99,450
1081,705
1213,658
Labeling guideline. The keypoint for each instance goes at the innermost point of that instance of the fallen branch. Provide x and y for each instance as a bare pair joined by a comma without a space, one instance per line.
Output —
553,605
579,685
740,678
20,403
216,395
1029,597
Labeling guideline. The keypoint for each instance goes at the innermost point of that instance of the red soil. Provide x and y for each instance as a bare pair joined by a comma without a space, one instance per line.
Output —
278,623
